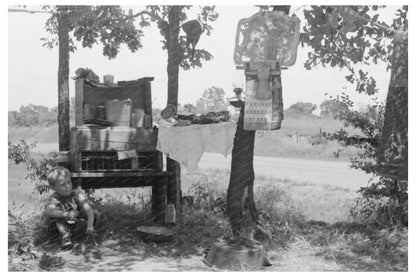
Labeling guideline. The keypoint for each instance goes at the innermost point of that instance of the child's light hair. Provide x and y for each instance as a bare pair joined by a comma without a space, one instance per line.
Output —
56,173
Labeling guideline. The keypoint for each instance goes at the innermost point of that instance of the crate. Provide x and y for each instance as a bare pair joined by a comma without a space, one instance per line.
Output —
106,161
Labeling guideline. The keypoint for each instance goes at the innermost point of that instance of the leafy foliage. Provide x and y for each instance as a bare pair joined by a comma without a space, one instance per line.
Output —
331,107
160,14
350,36
89,24
212,99
344,36
370,124
38,169
33,115
385,198
301,108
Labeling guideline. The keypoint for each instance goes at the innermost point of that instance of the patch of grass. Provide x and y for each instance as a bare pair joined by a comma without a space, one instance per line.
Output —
34,134
360,247
287,147
278,213
283,142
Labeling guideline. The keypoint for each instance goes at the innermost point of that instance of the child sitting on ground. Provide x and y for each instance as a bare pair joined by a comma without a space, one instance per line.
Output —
66,205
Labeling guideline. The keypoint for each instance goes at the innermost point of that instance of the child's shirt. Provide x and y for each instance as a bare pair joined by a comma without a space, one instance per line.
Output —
67,203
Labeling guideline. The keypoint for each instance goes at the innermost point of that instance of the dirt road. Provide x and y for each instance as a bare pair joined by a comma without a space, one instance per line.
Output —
311,171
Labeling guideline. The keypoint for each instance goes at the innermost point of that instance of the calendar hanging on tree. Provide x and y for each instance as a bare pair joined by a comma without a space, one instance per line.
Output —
265,42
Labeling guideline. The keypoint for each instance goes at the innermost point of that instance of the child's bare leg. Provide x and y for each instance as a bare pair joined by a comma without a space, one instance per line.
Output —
97,217
62,229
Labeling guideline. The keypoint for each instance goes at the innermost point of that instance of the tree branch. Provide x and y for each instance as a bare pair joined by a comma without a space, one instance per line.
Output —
344,59
154,17
27,11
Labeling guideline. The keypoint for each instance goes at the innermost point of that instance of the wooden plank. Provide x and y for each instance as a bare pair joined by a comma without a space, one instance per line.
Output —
135,163
75,155
159,200
158,161
174,187
127,154
119,182
102,145
79,100
119,174
77,183
114,138
147,100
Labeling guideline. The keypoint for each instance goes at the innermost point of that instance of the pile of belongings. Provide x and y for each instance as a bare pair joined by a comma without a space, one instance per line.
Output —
86,73
170,117
208,118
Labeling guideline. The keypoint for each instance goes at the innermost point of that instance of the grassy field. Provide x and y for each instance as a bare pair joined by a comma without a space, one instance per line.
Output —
310,224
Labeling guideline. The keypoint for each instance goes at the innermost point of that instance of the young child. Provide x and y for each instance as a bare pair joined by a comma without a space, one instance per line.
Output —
66,205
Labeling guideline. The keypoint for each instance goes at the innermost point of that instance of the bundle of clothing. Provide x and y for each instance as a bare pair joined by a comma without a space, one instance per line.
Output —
208,118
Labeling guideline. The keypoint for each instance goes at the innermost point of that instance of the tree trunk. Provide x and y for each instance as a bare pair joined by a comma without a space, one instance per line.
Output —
393,150
241,208
174,58
174,54
63,80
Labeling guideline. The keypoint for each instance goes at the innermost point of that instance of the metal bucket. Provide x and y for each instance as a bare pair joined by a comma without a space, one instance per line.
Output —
118,112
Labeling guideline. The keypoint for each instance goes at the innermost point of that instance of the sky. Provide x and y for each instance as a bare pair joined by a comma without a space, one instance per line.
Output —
32,69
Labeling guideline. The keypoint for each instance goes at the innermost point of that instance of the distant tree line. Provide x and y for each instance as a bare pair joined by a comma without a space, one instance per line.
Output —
33,115
328,108
36,115
212,99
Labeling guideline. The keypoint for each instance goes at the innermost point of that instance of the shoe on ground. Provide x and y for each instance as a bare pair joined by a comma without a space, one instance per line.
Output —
66,242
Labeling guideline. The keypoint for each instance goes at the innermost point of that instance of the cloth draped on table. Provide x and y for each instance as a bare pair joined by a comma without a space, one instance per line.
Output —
186,144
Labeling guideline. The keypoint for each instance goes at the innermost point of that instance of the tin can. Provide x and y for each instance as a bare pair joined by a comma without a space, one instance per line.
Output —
100,113
86,112
147,121
108,80
137,118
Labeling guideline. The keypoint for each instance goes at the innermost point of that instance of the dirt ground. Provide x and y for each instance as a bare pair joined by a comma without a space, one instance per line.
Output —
113,256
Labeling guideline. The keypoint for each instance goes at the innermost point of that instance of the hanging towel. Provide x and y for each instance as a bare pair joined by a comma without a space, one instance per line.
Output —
186,144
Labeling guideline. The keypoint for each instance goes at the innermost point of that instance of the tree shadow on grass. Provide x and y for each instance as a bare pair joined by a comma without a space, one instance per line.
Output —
359,247
118,245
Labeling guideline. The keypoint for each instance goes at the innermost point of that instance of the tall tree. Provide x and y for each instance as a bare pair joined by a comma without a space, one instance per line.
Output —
340,36
393,152
301,108
241,208
169,20
63,78
332,107
351,36
212,99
